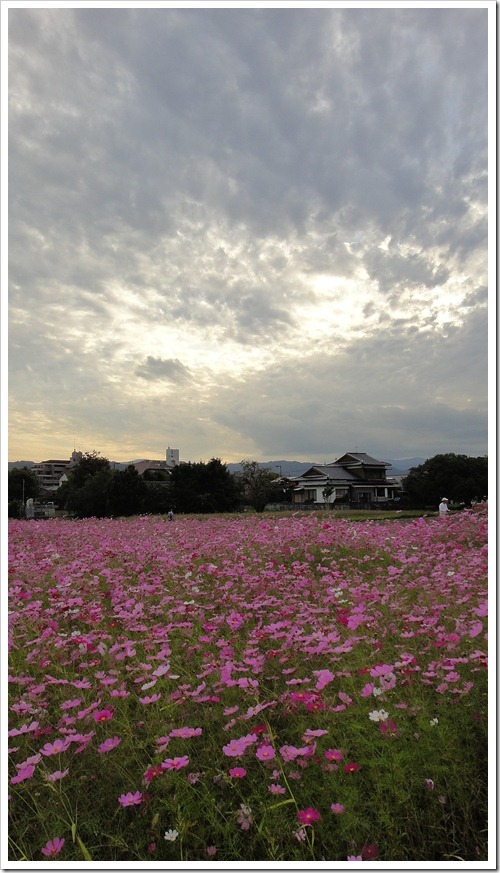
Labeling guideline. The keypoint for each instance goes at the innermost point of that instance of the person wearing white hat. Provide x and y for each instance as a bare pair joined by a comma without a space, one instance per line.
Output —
443,506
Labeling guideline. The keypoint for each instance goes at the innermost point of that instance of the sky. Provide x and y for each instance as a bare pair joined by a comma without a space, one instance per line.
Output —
248,231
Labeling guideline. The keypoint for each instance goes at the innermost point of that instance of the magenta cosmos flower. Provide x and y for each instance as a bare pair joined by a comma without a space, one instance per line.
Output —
53,847
237,772
333,755
308,816
103,714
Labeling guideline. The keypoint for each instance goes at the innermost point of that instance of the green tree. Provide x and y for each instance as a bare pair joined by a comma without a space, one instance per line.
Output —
201,487
260,485
459,477
158,497
127,492
22,484
86,493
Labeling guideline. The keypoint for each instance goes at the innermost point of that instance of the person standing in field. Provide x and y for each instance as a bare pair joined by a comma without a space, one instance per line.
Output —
170,515
443,507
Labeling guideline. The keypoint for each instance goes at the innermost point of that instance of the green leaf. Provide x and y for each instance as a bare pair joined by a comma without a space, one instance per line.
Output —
282,803
85,853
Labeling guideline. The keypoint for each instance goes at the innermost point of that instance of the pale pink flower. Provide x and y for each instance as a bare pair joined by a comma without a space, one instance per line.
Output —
109,744
175,763
337,808
244,817
23,773
130,799
185,732
288,753
265,753
234,749
276,789
56,747
57,775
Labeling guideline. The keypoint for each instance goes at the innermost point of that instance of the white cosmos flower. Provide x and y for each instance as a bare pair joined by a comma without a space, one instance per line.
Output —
171,835
378,715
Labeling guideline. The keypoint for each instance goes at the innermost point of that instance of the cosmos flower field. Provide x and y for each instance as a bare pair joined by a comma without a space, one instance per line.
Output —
248,688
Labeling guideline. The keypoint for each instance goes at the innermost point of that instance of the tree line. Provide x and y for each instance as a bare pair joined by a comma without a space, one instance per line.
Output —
94,489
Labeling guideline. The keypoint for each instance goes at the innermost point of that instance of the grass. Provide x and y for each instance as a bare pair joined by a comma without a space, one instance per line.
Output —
151,649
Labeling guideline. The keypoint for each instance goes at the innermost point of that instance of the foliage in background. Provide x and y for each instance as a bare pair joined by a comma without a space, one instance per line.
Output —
95,490
458,477
261,485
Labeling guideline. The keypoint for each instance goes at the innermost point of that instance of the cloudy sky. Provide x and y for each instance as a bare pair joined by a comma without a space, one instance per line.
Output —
248,232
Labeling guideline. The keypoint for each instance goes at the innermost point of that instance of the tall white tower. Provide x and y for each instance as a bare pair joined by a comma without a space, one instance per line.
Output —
172,457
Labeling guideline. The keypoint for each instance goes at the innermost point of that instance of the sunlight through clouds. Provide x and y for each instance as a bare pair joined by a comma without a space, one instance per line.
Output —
233,209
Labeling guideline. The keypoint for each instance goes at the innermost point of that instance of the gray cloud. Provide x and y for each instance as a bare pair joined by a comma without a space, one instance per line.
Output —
283,209
155,369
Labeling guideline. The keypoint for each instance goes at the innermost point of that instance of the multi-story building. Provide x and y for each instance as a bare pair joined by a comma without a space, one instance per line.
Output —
49,473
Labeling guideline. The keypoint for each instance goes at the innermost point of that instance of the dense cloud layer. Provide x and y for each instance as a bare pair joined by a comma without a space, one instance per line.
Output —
248,232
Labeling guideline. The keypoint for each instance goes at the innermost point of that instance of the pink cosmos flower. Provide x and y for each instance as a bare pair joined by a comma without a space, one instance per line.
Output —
337,808
57,775
109,744
185,732
103,714
354,857
153,699
288,753
388,728
211,851
237,772
276,789
265,753
56,747
310,734
351,768
333,755
53,847
130,799
234,749
308,816
23,773
300,835
175,763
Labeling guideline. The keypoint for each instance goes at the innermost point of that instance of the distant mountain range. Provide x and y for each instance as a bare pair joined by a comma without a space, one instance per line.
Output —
399,467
